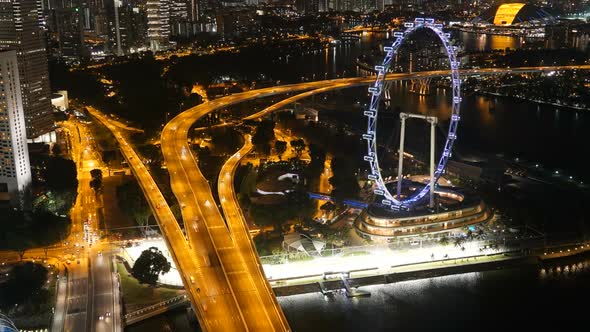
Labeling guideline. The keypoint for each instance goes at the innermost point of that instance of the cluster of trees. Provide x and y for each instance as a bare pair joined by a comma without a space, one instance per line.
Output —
344,181
226,140
298,145
108,155
150,264
267,245
56,179
318,158
280,148
263,135
22,230
297,206
96,182
461,240
24,287
132,202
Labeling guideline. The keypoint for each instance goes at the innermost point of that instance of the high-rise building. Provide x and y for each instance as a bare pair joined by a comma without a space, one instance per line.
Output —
69,23
195,10
20,30
183,17
158,15
307,7
15,168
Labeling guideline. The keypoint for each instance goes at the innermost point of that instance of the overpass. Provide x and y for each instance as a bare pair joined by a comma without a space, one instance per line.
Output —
215,306
155,309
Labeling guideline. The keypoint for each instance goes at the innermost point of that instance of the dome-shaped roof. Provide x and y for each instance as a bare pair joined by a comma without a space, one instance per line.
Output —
515,13
6,325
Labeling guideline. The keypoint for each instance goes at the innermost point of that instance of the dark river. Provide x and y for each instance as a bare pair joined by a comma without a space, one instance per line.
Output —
494,300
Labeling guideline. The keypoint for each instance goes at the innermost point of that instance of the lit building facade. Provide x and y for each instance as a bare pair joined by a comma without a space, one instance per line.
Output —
71,35
15,168
455,212
20,30
158,17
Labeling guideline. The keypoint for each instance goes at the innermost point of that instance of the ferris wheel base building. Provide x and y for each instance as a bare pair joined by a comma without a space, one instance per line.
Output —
456,209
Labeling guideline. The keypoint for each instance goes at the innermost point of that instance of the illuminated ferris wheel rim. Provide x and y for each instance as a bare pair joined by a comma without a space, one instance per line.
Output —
6,324
376,91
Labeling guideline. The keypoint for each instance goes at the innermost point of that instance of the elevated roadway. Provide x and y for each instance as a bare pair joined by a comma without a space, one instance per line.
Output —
204,280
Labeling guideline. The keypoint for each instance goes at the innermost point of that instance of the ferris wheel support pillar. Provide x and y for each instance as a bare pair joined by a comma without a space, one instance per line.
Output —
432,121
400,165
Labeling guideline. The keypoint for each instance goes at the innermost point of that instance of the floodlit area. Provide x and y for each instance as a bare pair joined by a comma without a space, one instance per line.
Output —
171,278
380,259
377,258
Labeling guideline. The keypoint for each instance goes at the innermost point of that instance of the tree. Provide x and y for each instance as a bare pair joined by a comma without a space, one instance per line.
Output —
459,242
108,156
131,200
150,264
60,174
444,240
280,147
298,145
479,234
344,180
25,283
96,182
264,135
96,174
56,149
318,158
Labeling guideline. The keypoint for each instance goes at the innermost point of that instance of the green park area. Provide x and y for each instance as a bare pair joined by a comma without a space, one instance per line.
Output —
137,295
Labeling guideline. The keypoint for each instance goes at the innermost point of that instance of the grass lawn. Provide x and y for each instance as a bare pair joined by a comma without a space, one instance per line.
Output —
137,296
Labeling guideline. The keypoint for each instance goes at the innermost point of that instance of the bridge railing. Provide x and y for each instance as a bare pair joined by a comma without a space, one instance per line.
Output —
172,301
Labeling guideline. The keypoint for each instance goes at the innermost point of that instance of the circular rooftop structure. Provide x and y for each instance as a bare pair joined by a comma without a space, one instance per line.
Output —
6,325
456,209
515,14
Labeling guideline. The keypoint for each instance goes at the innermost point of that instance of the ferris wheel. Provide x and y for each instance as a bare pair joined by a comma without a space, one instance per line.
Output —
398,202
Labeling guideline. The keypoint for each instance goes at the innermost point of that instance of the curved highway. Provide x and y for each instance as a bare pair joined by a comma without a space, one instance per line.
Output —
214,305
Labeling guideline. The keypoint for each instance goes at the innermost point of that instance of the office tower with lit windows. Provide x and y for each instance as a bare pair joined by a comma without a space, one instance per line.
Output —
20,30
71,34
158,16
15,168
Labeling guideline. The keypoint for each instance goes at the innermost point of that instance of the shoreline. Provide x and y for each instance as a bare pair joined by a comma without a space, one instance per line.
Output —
317,284
495,94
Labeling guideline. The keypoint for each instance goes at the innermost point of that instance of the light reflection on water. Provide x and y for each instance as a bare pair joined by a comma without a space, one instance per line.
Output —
535,297
455,303
483,42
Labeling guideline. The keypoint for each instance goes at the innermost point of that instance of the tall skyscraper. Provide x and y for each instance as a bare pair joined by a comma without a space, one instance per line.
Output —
131,32
15,168
158,15
20,30
69,23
